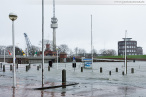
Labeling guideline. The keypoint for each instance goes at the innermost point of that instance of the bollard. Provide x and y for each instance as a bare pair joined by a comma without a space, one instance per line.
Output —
63,76
110,72
123,73
100,69
37,67
10,67
132,70
81,69
17,66
134,60
50,63
0,65
116,69
3,68
74,65
48,68
27,68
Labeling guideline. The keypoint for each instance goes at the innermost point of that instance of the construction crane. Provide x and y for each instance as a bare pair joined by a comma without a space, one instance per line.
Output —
54,25
31,49
28,44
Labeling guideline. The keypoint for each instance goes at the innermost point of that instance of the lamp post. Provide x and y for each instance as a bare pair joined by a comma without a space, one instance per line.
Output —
13,17
42,43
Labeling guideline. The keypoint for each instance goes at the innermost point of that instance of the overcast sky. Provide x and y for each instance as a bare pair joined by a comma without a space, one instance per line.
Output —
74,23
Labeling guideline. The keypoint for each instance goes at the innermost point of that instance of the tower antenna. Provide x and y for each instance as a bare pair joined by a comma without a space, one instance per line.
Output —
54,25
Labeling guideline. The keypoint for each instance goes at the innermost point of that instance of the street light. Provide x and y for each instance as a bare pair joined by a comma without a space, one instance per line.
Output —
13,17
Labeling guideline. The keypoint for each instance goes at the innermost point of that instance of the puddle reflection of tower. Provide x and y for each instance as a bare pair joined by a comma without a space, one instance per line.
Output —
54,25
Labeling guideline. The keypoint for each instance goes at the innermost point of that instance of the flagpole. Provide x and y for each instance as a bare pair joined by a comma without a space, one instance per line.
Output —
125,53
91,43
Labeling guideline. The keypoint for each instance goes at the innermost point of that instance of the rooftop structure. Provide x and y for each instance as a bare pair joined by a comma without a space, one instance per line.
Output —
131,47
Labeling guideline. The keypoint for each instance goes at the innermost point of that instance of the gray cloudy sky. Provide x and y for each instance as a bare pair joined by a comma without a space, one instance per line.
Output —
109,23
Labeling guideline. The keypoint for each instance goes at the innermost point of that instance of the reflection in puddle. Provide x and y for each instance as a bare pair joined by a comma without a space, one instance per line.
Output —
127,90
13,92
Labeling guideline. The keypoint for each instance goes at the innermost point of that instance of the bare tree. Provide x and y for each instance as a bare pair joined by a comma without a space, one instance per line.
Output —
71,52
108,52
94,52
63,48
81,52
2,50
76,50
46,42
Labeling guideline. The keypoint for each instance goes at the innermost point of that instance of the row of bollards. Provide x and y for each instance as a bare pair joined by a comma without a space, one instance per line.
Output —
11,68
132,70
38,67
73,65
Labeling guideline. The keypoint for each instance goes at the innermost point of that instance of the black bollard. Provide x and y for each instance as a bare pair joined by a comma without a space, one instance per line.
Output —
110,72
50,63
100,69
37,67
116,69
0,65
3,68
74,65
132,70
63,76
27,68
10,67
17,66
81,69
134,60
48,68
123,73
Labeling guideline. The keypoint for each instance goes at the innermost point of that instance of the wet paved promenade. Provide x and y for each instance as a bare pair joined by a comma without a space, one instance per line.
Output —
92,83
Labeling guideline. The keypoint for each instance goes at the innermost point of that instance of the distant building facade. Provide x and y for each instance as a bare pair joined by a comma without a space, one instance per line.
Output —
131,47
